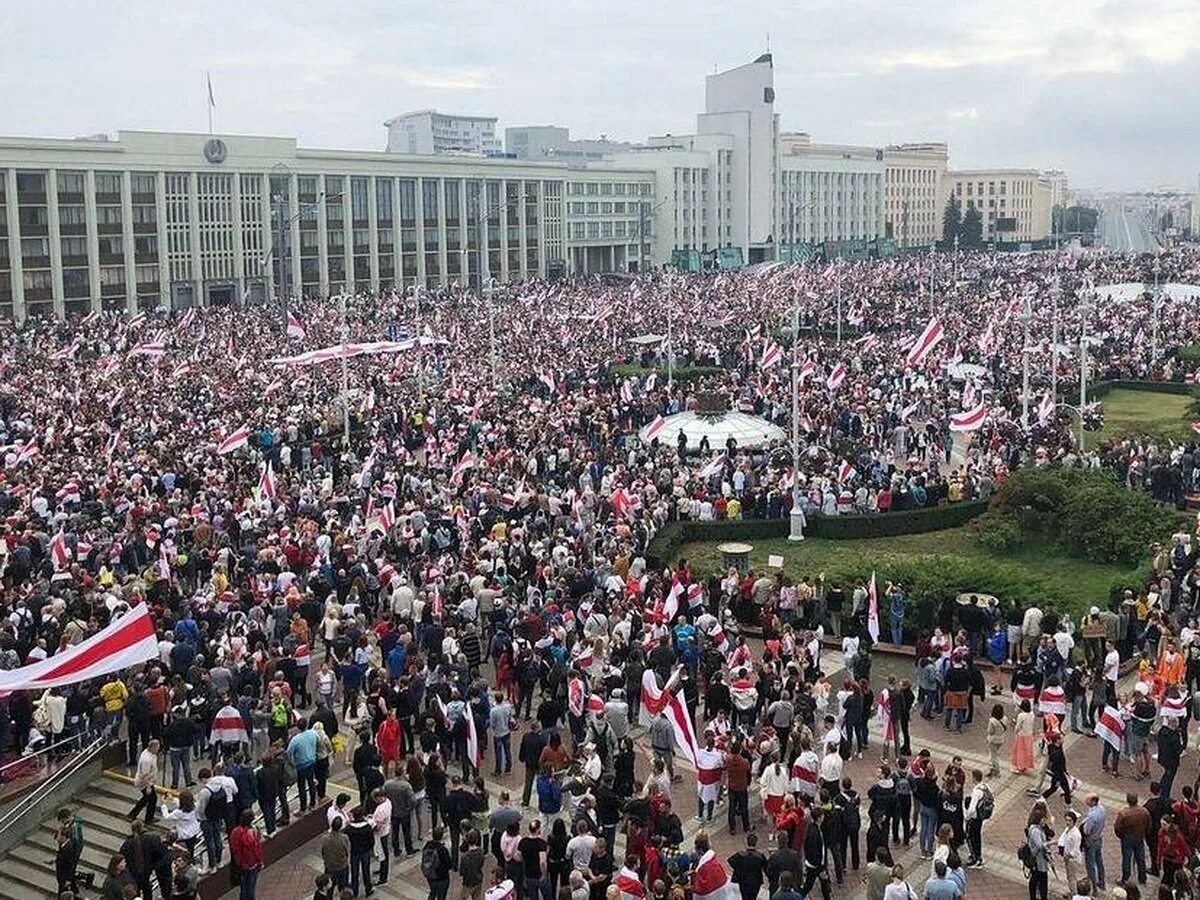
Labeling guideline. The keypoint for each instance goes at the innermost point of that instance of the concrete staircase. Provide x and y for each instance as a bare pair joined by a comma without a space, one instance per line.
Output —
28,869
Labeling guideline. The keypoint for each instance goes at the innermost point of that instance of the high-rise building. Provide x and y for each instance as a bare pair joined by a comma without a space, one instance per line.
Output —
1056,180
1014,203
740,102
428,131
829,192
913,192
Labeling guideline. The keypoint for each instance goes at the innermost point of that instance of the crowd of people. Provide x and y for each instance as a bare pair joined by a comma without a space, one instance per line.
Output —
399,561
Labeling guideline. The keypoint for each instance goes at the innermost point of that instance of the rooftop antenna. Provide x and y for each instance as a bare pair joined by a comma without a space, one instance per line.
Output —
768,40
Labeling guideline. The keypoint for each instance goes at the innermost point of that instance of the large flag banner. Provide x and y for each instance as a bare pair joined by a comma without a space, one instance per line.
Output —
711,881
235,441
666,700
873,609
124,642
970,420
228,727
929,339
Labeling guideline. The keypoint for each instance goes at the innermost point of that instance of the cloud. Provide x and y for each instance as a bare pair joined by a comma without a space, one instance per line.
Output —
969,113
435,78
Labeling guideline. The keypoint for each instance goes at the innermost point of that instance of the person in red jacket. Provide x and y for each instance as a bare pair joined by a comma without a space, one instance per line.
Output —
387,739
1173,849
245,852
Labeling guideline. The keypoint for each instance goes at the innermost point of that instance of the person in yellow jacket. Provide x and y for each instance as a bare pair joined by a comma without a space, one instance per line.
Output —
114,694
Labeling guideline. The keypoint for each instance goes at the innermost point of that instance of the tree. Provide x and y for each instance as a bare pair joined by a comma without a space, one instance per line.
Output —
971,234
952,220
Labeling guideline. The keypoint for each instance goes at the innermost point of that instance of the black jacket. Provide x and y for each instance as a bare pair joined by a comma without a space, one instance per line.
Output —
1170,746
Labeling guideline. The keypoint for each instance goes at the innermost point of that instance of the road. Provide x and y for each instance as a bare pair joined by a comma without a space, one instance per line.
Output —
1129,231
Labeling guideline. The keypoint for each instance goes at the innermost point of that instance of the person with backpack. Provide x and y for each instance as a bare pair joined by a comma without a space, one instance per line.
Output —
1035,854
435,864
978,809
212,808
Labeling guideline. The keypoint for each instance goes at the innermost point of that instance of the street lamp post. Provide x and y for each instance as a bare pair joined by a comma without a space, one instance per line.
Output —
797,520
489,290
345,373
1026,316
839,298
1154,307
1055,291
1085,309
932,249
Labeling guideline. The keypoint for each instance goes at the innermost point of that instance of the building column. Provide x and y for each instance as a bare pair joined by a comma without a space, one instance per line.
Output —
294,283
397,251
127,242
16,269
522,242
93,237
442,229
373,235
160,217
56,271
419,200
505,276
268,244
197,269
350,282
322,241
239,244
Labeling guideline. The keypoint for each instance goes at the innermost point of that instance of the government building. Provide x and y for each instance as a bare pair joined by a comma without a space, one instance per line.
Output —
161,219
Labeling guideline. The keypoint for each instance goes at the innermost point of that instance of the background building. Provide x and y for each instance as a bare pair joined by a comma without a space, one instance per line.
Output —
554,143
181,219
1056,180
428,131
829,192
1014,203
914,196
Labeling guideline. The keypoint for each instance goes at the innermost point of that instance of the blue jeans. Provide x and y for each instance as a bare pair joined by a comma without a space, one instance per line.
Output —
212,841
1167,780
306,784
248,884
1093,861
958,714
1078,712
897,630
537,887
181,760
503,747
927,819
1133,851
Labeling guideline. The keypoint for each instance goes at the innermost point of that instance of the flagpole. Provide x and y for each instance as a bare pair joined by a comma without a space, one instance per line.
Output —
211,104
796,530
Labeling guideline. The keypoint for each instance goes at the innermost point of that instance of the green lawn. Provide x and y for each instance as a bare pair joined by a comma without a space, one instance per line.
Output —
957,557
1164,415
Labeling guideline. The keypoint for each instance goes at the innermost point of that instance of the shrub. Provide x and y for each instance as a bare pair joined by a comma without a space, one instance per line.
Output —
1084,514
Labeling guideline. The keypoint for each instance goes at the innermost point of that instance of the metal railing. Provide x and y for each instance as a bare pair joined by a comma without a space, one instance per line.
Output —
24,759
31,800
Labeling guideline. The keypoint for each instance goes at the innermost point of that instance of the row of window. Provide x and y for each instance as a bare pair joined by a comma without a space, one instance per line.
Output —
609,188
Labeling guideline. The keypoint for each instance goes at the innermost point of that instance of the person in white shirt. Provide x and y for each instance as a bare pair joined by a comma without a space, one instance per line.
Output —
974,823
830,773
773,785
1070,846
849,651
1112,665
1064,643
381,821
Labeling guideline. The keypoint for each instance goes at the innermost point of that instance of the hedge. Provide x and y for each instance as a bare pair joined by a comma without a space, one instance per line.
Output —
1100,388
664,548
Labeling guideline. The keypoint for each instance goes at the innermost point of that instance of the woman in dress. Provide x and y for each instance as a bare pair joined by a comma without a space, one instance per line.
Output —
997,728
1022,748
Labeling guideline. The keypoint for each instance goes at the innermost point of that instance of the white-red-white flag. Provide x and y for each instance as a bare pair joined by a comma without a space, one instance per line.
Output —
806,368
654,429
187,318
234,441
1110,728
836,377
873,608
27,452
228,727
149,348
969,420
846,472
59,552
711,881
715,465
771,356
266,484
928,339
461,467
295,328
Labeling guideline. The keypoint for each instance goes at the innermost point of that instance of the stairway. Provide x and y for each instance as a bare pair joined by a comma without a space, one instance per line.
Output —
29,867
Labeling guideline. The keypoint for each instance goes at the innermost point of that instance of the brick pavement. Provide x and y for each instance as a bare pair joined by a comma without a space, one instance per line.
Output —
1001,876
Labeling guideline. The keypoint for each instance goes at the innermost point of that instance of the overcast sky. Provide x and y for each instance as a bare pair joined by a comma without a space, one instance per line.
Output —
1105,90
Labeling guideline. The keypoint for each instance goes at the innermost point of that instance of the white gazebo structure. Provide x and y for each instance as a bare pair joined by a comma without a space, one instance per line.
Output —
749,431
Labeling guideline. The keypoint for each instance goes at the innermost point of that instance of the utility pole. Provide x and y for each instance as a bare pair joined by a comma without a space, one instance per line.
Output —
796,528
1026,315
1085,310
956,260
1154,320
839,298
932,249
420,346
490,291
345,373
1055,290
281,283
